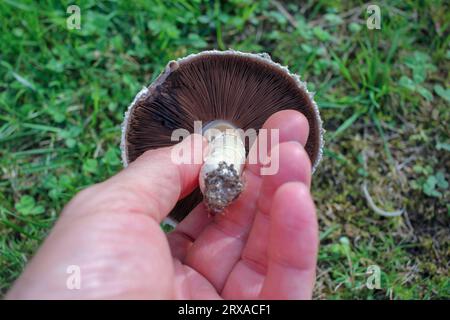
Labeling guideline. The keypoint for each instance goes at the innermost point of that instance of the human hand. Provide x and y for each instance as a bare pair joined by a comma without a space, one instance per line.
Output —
264,246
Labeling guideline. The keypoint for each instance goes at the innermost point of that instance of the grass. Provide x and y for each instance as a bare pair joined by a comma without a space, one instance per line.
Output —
383,94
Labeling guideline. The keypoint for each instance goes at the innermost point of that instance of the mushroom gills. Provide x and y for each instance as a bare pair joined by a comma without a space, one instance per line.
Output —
220,88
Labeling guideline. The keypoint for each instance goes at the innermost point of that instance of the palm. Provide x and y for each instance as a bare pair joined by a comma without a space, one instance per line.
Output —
263,246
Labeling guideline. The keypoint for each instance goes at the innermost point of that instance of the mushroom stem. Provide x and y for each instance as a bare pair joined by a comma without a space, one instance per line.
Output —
221,174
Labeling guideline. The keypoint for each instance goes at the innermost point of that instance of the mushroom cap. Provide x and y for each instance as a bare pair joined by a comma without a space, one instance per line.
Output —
242,88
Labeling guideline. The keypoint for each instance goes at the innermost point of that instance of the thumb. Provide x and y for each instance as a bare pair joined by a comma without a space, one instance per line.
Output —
152,184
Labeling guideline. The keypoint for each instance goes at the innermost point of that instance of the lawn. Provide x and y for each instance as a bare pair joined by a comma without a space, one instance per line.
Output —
383,95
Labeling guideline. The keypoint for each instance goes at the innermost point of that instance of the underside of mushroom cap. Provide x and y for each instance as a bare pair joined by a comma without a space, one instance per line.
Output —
242,88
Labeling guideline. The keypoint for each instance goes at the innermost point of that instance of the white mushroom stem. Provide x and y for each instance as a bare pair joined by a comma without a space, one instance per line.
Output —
221,174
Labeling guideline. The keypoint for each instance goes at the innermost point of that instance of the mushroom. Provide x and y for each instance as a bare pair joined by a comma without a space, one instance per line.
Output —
226,91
